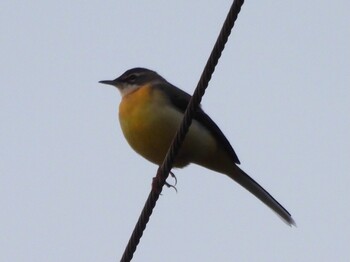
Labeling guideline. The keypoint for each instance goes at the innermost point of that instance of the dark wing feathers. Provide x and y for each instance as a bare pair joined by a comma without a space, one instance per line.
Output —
205,120
180,100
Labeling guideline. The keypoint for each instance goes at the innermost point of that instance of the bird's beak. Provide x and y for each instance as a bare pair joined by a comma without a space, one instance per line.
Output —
108,82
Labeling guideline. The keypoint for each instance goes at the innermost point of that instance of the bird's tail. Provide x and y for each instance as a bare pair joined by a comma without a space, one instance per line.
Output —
253,187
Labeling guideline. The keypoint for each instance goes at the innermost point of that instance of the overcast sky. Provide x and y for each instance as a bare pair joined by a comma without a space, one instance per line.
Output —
71,189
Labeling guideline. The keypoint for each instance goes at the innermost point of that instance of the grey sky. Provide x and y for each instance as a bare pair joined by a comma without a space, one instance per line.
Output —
71,189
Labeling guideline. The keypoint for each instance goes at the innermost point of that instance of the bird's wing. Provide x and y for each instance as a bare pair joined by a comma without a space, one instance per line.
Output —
180,100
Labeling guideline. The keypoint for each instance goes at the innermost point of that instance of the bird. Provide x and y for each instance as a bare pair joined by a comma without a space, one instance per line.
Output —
150,112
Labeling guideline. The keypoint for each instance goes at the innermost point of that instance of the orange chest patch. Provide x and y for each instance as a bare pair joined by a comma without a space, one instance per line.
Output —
134,102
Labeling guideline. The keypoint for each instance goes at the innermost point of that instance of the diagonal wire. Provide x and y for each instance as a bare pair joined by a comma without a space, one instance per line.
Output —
163,171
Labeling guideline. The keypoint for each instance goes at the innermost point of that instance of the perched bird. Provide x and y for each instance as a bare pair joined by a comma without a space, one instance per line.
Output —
150,113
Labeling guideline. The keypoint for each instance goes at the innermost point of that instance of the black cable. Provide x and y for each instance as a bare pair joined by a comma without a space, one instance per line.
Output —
164,169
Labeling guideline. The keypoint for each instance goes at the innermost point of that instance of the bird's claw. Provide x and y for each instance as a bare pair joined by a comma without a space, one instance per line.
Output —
172,186
173,176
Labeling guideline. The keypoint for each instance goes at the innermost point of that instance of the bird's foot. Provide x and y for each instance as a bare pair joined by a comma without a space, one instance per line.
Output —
173,176
172,186
156,183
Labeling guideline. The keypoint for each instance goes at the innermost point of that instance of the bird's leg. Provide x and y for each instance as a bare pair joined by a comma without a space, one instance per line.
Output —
173,176
172,186
156,183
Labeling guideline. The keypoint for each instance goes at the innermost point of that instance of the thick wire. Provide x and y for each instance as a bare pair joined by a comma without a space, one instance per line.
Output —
163,171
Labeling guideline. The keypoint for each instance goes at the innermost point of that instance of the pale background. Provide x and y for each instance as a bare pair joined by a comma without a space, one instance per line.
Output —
71,189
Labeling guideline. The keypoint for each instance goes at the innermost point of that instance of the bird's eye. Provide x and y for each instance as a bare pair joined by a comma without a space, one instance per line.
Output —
131,78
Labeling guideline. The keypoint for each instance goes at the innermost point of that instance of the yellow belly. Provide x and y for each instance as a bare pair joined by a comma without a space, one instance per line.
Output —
149,124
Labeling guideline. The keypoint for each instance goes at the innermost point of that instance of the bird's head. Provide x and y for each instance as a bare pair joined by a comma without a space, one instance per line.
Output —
133,79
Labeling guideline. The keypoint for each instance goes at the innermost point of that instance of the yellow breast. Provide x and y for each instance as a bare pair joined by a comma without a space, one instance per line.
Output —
149,122
145,123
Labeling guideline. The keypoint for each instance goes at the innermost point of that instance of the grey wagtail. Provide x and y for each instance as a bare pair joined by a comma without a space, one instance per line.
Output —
150,113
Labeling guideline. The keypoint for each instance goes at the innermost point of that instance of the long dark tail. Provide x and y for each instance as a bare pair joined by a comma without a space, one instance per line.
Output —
253,187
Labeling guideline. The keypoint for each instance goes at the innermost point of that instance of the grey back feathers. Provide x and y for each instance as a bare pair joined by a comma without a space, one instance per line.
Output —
139,76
